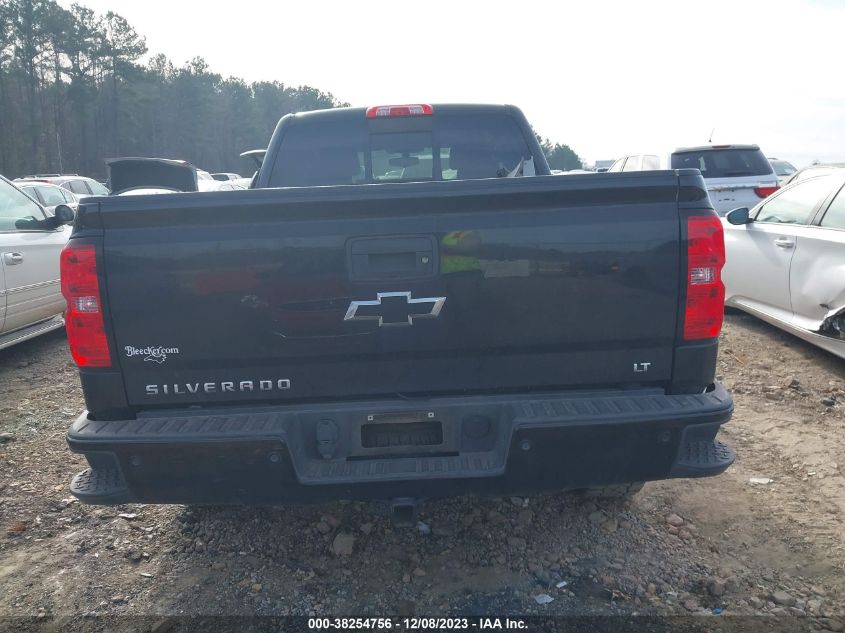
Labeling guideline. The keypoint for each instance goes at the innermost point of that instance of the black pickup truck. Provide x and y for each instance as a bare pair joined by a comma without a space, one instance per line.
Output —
406,305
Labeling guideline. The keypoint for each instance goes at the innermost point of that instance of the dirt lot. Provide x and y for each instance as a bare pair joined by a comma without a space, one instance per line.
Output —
766,537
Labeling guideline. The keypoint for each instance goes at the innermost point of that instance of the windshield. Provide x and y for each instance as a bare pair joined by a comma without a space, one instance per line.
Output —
453,146
97,189
723,163
17,209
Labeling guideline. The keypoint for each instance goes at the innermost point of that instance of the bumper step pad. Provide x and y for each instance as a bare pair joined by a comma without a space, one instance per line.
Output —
100,486
703,459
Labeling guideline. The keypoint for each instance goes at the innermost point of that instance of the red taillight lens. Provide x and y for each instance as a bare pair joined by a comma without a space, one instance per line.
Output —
765,192
410,109
705,291
86,333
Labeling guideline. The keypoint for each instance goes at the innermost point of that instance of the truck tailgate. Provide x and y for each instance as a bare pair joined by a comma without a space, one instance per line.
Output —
412,289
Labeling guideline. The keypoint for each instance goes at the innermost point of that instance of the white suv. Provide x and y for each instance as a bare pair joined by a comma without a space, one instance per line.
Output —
735,175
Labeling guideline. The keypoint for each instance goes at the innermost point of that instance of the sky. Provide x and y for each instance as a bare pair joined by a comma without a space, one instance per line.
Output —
605,77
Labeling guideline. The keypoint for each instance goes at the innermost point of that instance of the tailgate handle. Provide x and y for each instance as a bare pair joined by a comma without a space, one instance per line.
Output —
392,257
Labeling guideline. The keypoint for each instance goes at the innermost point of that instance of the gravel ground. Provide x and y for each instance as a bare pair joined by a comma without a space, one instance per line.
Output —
765,537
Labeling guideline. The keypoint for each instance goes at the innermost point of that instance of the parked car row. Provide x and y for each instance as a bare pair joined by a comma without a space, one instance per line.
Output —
784,233
78,185
52,189
34,210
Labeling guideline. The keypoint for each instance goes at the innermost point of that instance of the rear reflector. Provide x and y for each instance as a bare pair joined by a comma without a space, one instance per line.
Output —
410,109
705,291
765,192
86,334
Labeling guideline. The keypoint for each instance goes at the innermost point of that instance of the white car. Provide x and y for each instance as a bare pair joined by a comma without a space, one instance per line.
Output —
786,260
47,195
31,301
80,186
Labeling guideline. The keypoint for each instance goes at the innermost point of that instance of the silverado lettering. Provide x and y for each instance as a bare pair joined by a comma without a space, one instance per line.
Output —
224,386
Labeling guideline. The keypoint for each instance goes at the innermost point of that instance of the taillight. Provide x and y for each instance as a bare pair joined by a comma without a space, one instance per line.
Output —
705,291
86,333
765,192
411,109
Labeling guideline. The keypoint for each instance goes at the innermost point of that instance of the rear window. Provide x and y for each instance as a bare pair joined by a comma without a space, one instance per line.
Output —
77,186
401,156
724,163
443,147
97,189
487,146
50,196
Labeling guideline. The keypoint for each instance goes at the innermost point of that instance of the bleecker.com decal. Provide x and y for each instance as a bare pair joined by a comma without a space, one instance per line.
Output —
154,354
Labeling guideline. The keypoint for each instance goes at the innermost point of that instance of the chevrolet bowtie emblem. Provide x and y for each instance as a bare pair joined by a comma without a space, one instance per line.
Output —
395,308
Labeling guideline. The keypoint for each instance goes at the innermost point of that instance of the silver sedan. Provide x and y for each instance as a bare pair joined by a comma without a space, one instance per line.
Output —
31,302
786,260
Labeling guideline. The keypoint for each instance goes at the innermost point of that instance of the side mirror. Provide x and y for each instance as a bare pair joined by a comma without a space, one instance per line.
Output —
738,216
64,214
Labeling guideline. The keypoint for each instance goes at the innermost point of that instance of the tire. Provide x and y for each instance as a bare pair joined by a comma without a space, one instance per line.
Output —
613,491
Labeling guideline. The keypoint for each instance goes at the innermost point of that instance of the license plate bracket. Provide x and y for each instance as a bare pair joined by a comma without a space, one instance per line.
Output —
388,435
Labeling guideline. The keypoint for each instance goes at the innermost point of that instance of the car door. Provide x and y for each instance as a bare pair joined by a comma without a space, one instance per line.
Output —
29,255
759,254
817,275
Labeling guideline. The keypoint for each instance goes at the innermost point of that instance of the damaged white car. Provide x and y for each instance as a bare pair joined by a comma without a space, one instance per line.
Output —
786,260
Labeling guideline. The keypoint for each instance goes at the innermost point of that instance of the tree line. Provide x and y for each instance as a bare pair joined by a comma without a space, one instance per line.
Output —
77,87
73,91
560,156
